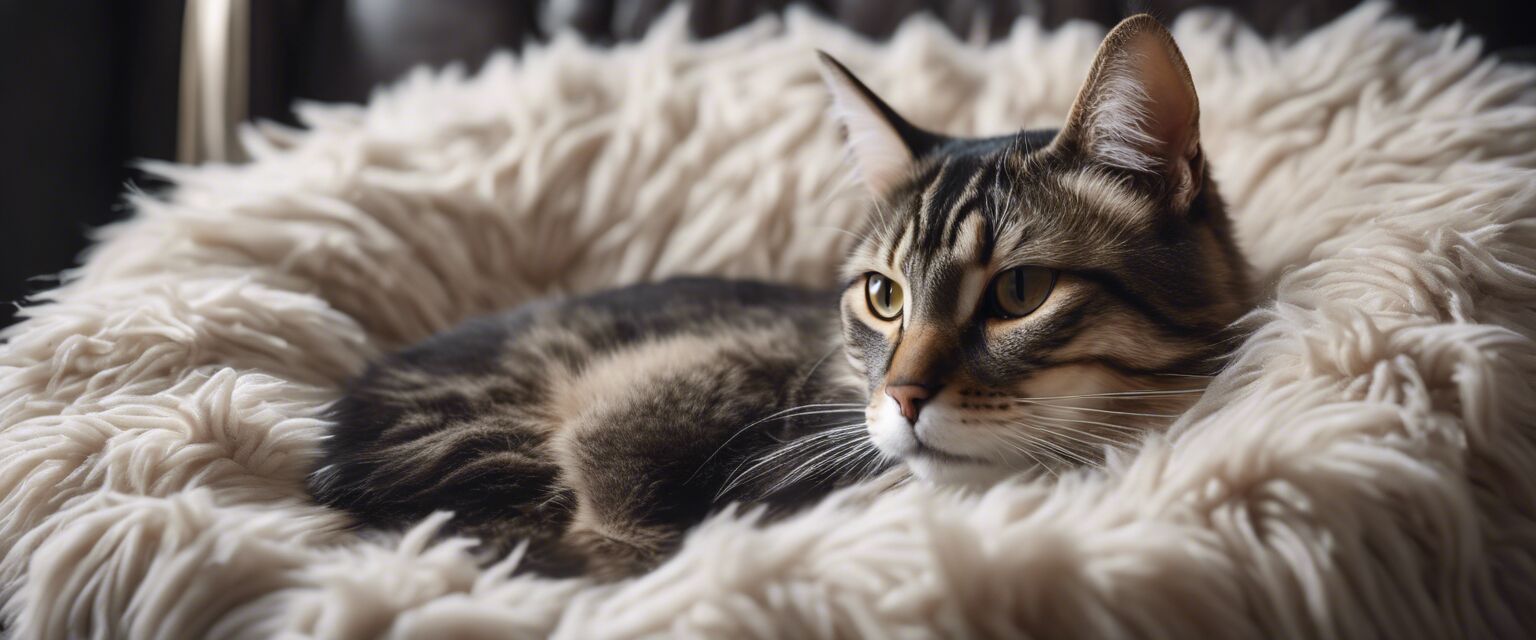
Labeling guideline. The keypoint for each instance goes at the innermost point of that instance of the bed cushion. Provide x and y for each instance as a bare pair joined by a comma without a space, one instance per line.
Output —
1363,467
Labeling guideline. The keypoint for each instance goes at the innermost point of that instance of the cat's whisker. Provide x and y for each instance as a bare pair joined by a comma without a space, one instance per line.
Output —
857,447
858,465
792,444
1070,454
874,465
883,211
1119,394
1117,437
786,414
840,451
1107,425
1064,453
857,238
1024,441
834,433
864,463
756,467
555,496
1066,407
832,416
814,463
814,367
829,461
751,466
1022,449
1084,437
1051,455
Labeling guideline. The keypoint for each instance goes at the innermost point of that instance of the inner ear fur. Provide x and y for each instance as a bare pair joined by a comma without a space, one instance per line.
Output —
883,145
1138,111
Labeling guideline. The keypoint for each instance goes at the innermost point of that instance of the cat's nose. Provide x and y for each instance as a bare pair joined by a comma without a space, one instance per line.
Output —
910,397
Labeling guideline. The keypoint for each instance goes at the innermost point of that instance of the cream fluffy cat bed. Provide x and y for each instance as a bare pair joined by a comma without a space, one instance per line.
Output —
1367,465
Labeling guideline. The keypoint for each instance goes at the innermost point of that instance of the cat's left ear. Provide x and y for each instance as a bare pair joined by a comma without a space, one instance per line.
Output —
1138,110
883,145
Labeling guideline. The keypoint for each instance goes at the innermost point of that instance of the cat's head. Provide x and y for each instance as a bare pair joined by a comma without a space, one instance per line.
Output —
1027,299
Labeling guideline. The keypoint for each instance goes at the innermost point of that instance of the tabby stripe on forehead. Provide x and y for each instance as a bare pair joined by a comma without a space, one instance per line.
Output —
890,253
931,193
929,177
968,204
988,242
949,190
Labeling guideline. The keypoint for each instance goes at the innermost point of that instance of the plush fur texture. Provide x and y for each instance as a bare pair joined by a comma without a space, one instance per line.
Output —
1363,468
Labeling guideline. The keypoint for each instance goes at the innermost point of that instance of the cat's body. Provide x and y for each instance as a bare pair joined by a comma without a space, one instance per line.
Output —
517,422
1018,302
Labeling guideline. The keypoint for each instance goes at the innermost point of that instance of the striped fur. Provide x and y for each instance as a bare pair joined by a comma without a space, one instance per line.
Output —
598,429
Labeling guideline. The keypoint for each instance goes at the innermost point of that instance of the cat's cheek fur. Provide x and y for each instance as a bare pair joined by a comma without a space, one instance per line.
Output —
867,340
1063,381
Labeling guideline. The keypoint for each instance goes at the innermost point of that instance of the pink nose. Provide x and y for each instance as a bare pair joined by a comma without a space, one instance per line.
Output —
910,397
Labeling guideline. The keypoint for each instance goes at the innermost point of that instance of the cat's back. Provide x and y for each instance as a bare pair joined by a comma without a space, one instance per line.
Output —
570,330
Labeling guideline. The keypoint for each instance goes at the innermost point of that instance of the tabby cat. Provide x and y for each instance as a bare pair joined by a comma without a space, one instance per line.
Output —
1017,302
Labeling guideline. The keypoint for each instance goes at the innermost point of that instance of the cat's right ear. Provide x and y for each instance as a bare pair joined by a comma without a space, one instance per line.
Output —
883,145
1138,111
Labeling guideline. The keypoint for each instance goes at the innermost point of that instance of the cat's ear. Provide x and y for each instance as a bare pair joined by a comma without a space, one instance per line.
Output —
883,145
1138,111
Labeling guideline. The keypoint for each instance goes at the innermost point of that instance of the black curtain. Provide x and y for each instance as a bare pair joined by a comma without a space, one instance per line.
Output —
85,88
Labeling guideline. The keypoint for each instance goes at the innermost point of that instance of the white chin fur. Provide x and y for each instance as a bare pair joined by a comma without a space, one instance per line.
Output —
948,472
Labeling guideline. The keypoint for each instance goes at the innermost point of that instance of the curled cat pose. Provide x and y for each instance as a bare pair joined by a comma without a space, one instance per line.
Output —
1015,302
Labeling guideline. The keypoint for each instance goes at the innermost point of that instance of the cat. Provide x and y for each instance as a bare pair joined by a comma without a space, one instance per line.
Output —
1014,303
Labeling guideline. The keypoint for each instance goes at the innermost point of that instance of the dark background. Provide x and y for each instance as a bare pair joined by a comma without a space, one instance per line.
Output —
87,87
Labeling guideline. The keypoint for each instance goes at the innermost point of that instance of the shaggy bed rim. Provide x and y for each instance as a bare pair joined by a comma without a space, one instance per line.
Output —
1362,468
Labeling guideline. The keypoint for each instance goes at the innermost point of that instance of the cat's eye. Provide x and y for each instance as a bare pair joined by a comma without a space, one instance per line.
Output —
884,296
1018,292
